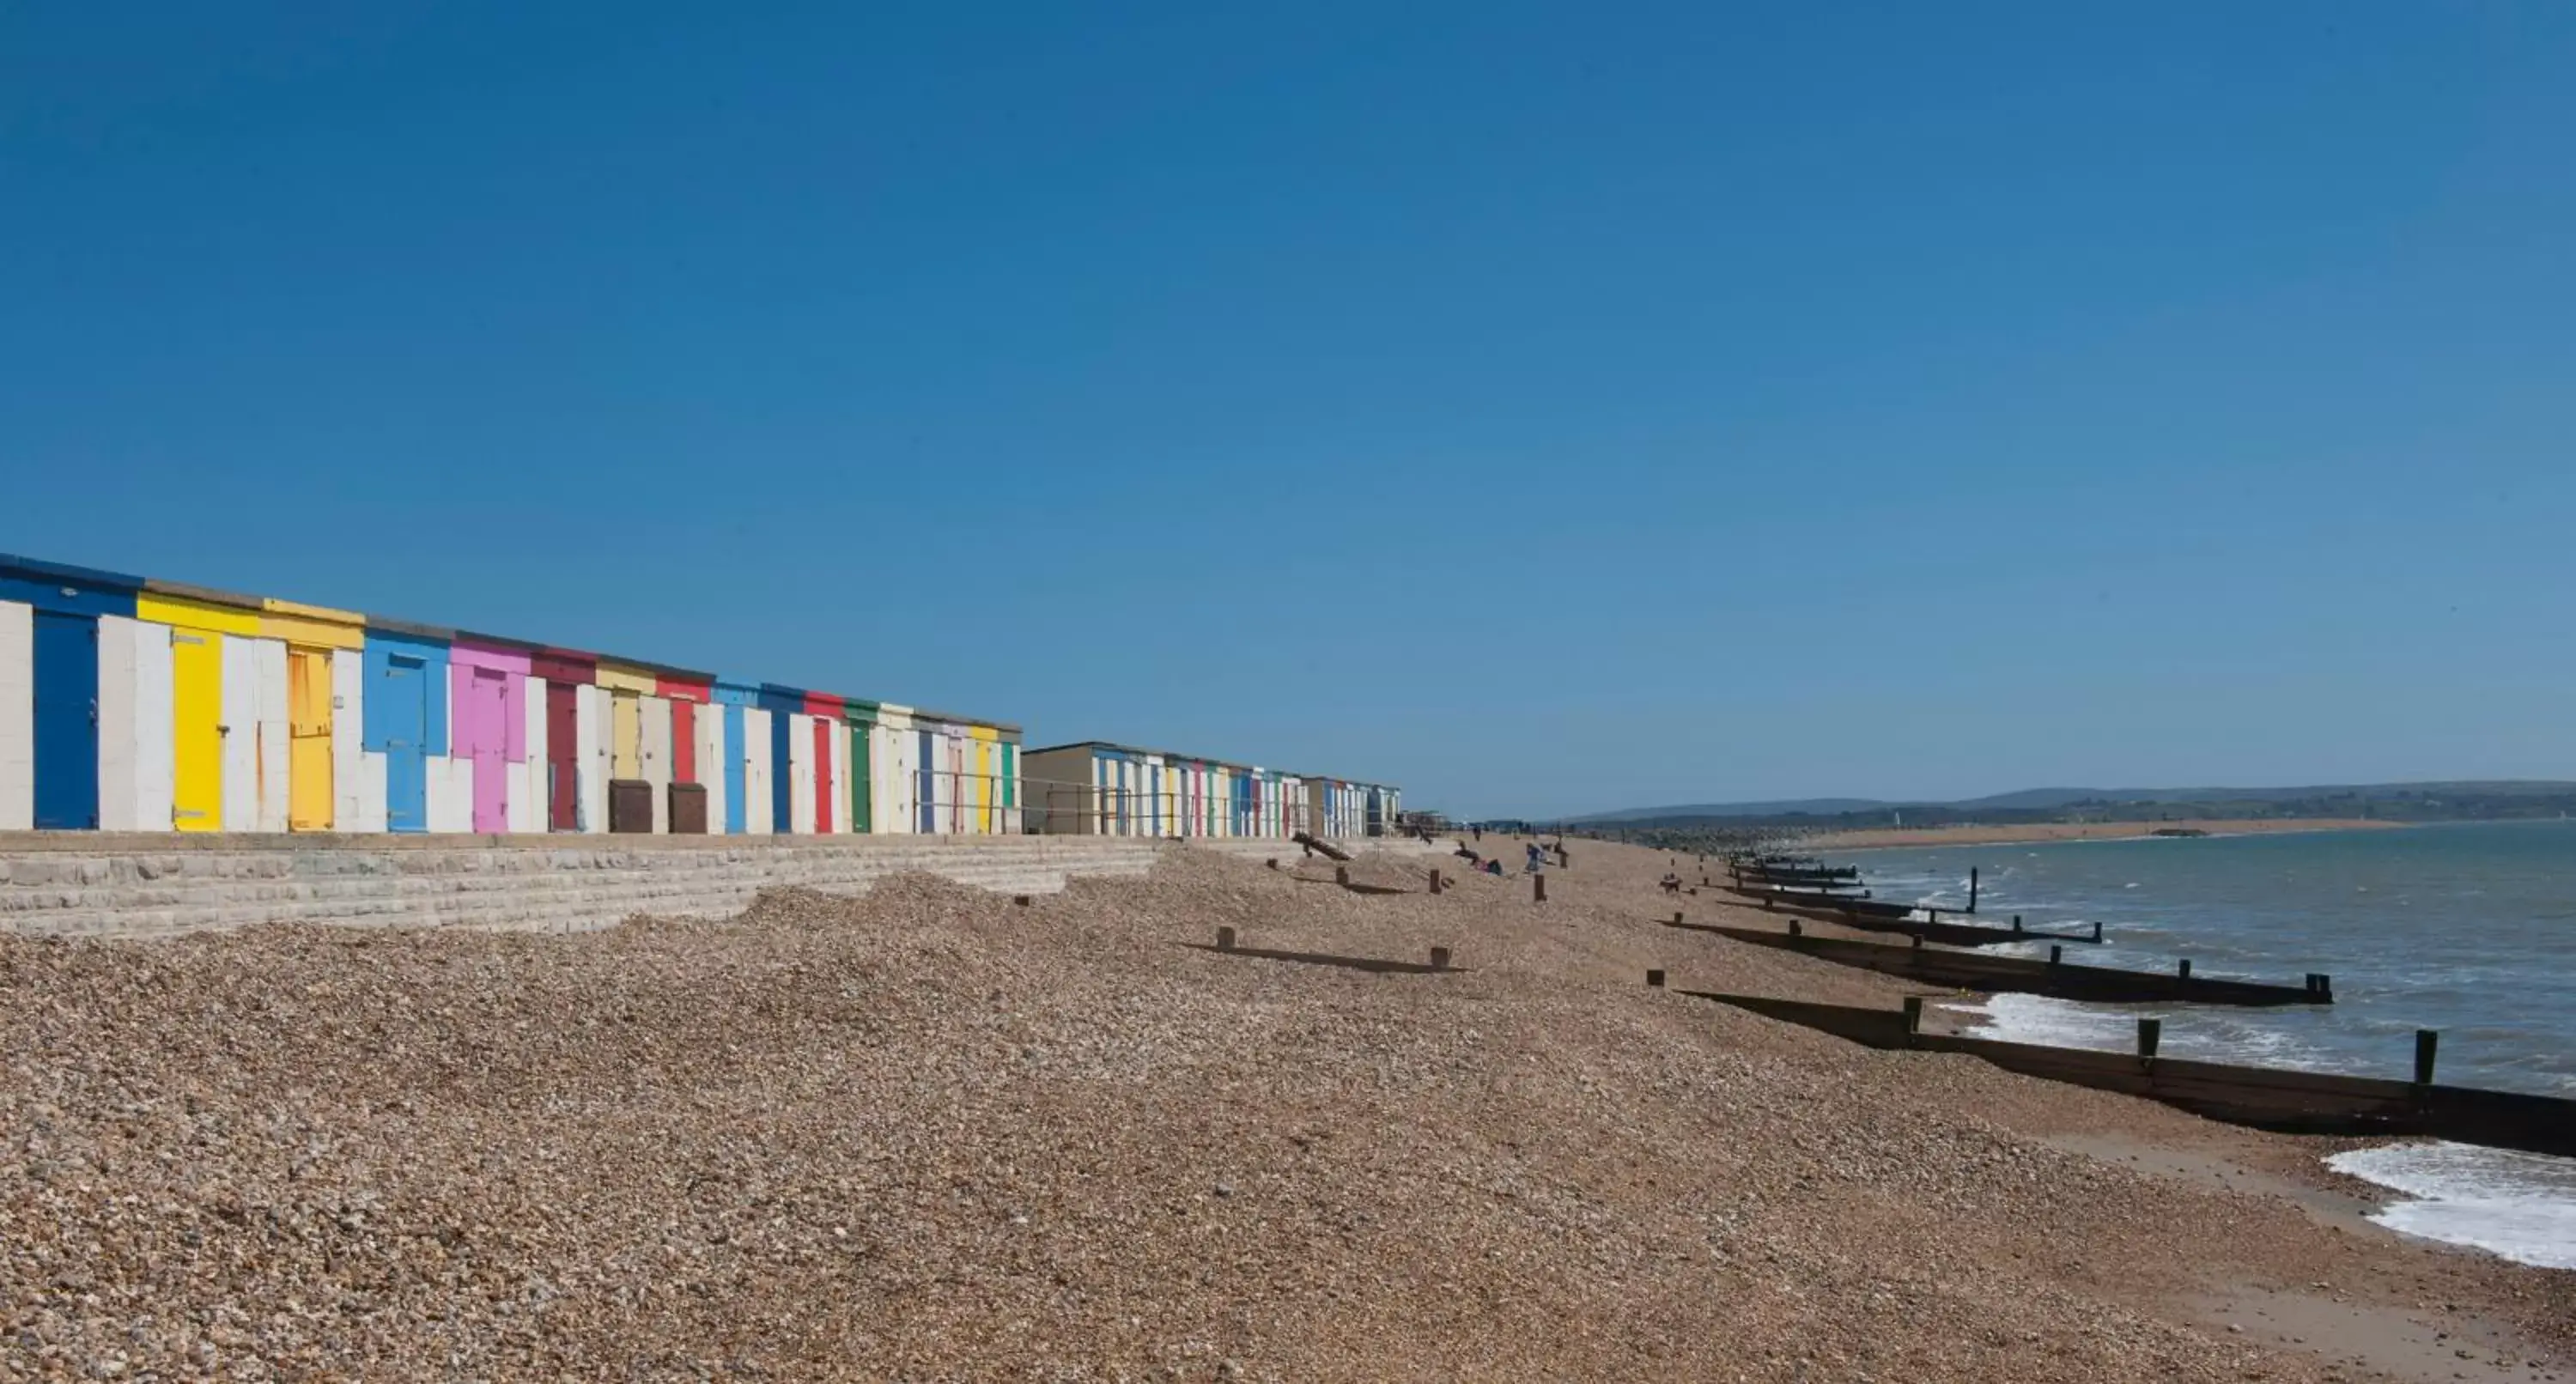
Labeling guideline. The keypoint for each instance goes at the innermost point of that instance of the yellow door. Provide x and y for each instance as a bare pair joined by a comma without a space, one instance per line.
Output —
625,761
308,718
197,714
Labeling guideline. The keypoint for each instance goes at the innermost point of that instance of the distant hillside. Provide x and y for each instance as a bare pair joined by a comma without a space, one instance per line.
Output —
2439,801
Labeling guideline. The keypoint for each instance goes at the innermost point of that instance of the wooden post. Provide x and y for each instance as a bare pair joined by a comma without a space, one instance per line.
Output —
1435,880
1795,930
1440,958
1020,900
2150,1033
2097,931
1677,915
1225,939
2056,954
1272,862
1918,941
1972,888
2016,922
1538,888
1913,1014
2185,972
2427,1040
1655,979
1341,874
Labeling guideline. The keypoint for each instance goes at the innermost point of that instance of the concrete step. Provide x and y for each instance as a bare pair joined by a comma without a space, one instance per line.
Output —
533,883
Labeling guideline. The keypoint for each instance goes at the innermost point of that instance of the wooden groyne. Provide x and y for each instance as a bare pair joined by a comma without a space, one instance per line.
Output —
1945,934
1795,875
2266,1098
1226,945
1971,971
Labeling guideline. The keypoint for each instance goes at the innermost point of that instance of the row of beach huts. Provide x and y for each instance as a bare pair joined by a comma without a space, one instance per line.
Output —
129,704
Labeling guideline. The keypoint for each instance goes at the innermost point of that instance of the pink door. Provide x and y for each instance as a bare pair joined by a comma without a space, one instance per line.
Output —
490,712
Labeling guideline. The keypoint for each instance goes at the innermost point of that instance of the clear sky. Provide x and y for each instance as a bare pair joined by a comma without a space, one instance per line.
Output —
1548,407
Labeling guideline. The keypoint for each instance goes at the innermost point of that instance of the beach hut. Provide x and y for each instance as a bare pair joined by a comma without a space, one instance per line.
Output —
326,680
405,719
697,737
894,764
639,743
568,748
1096,788
229,736
858,769
827,753
135,722
488,729
790,781
746,749
49,689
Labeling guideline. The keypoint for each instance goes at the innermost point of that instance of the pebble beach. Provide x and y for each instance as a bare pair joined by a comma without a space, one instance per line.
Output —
931,1134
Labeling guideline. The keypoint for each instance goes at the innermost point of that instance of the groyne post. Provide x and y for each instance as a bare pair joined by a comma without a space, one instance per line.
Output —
1225,939
1440,958
1972,888
1913,1014
2427,1041
2184,973
2150,1033
1655,979
1538,888
1435,880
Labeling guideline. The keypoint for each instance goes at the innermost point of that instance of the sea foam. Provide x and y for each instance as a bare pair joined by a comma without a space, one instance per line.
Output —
2521,1206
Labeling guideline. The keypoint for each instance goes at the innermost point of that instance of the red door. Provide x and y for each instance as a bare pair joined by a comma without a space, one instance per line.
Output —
684,742
823,775
563,758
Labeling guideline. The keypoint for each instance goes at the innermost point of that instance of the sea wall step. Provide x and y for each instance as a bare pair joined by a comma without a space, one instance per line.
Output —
129,886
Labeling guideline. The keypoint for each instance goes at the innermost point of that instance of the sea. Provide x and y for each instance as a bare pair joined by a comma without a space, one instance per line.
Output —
2466,928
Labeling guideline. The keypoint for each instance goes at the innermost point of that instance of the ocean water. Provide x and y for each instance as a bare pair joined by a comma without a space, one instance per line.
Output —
2469,929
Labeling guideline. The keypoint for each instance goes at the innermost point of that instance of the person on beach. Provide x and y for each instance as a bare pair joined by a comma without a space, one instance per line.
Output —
1533,857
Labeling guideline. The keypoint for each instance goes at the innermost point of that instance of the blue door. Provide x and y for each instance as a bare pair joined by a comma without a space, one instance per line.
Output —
66,652
406,726
736,809
929,778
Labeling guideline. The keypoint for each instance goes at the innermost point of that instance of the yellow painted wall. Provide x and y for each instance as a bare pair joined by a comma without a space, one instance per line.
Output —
308,720
196,701
314,635
620,678
626,737
318,627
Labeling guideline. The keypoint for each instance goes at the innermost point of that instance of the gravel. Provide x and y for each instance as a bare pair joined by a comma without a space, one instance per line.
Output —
929,1134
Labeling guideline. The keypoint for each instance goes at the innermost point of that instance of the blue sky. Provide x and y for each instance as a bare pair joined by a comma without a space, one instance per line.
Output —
1546,407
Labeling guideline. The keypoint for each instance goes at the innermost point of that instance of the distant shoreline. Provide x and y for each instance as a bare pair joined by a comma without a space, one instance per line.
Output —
1888,838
